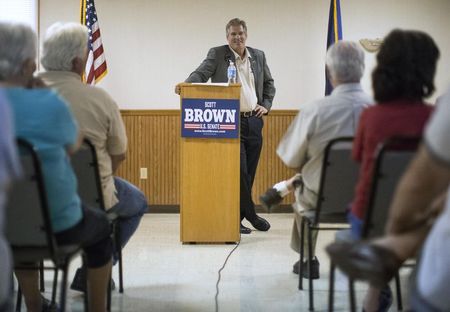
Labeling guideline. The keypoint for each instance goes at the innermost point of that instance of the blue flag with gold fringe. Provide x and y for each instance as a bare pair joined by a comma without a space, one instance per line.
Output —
334,34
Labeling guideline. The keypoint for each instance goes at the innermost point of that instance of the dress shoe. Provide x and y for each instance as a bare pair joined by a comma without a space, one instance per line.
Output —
363,261
113,285
270,198
260,224
385,299
79,281
245,230
47,305
305,274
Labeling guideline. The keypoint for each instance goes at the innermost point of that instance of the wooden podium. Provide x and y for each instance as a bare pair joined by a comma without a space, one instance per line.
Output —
209,203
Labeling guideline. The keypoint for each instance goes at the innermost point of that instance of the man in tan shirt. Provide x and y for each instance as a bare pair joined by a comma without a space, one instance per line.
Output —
64,57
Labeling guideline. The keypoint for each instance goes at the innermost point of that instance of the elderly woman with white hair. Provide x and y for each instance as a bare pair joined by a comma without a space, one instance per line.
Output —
44,119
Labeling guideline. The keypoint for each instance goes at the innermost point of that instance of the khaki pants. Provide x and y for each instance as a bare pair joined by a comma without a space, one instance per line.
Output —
299,208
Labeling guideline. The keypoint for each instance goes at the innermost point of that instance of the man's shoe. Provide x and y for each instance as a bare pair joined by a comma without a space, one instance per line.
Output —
79,281
270,198
245,230
296,267
305,274
260,224
47,305
385,299
113,284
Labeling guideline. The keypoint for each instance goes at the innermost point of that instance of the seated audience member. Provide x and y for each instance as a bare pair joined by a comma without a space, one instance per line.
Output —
9,169
402,78
417,201
43,119
64,57
317,123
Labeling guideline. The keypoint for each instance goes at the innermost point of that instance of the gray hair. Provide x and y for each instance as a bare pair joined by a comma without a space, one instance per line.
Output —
345,61
18,44
235,22
62,43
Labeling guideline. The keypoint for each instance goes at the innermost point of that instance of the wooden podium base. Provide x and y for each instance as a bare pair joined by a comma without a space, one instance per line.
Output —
210,175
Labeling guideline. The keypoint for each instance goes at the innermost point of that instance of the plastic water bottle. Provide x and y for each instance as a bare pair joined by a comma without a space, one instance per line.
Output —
231,73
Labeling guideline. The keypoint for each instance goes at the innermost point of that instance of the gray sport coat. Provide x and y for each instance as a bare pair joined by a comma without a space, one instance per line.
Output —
216,64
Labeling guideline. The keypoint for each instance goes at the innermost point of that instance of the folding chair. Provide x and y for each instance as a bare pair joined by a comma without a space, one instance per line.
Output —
85,165
392,158
338,178
28,227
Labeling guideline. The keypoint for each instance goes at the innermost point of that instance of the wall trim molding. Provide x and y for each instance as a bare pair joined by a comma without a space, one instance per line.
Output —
176,209
154,147
150,112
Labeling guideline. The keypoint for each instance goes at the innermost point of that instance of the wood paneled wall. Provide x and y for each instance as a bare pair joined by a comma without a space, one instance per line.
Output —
153,143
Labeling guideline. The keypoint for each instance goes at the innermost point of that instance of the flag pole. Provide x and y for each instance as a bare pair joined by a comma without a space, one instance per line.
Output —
334,35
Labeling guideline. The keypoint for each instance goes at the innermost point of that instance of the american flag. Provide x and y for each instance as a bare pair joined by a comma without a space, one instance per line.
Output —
96,64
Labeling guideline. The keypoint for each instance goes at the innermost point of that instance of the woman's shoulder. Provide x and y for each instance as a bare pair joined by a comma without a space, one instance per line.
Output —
37,94
372,110
42,99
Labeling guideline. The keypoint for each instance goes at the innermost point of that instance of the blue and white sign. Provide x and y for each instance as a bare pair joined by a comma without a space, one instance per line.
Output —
204,118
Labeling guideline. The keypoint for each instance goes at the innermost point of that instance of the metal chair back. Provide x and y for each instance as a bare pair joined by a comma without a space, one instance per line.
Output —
27,213
337,182
28,224
85,165
392,159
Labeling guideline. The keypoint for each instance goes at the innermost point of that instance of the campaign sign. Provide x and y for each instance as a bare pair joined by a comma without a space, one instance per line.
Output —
205,118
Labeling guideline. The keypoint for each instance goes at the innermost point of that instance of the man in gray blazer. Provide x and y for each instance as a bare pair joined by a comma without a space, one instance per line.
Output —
257,93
